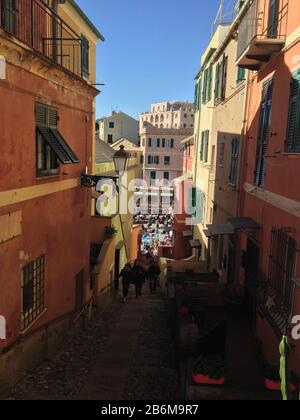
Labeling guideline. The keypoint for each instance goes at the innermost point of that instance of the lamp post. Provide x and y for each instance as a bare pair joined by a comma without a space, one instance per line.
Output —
121,160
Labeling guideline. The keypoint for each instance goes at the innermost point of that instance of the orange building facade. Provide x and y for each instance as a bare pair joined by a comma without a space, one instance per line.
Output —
47,125
270,186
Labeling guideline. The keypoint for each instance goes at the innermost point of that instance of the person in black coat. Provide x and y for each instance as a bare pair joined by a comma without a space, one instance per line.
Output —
126,275
139,277
153,275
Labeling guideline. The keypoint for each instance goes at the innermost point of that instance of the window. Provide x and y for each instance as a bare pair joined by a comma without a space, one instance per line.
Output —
33,277
196,204
282,266
221,80
110,139
153,175
204,146
292,144
50,145
9,16
273,19
111,124
85,56
209,82
241,76
205,87
185,116
153,160
184,125
217,82
142,160
224,77
221,154
167,160
166,176
235,144
79,290
212,159
263,135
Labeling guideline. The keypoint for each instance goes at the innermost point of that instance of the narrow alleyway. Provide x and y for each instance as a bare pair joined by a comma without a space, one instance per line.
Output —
126,353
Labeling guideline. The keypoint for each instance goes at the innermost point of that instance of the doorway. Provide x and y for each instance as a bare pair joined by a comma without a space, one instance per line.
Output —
251,281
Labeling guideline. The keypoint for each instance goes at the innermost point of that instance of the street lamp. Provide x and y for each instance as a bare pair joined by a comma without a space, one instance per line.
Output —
121,158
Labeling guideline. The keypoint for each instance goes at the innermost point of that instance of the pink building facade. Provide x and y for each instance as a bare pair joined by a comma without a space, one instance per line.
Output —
163,154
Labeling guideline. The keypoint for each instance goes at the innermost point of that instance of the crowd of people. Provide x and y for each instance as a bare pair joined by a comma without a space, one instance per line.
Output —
157,231
137,275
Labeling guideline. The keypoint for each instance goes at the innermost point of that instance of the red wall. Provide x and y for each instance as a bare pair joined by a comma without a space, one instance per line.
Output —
55,225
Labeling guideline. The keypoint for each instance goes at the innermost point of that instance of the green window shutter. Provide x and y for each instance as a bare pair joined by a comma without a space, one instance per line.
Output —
292,144
217,82
273,19
224,77
202,146
41,115
241,75
234,161
196,97
204,94
263,135
210,76
206,145
85,56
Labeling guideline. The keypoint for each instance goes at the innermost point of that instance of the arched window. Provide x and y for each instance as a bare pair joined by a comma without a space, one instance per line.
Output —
162,118
156,118
151,119
161,126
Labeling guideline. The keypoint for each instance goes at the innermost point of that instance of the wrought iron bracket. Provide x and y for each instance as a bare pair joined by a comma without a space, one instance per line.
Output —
91,181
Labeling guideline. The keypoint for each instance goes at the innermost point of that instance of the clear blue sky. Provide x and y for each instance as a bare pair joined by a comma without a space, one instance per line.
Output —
151,51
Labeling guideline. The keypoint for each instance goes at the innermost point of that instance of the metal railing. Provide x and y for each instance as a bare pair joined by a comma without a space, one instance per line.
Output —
38,26
261,21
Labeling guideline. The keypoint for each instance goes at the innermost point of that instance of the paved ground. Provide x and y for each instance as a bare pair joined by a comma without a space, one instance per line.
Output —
126,353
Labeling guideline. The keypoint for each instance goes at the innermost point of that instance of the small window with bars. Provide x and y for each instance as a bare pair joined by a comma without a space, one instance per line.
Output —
33,284
235,145
283,255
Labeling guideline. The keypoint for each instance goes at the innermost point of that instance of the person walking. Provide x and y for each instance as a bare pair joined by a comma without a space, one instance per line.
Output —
153,275
139,277
126,275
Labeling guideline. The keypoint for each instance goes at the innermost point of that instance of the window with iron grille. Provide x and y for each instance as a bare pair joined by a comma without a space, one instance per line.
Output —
292,144
79,290
33,278
283,252
263,135
235,145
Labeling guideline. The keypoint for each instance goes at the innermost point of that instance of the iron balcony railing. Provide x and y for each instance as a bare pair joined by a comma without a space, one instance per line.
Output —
37,25
263,20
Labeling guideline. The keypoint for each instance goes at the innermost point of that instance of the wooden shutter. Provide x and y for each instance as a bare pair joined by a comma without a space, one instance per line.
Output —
204,94
234,161
273,19
85,56
210,75
292,144
206,134
217,82
263,136
202,146
224,77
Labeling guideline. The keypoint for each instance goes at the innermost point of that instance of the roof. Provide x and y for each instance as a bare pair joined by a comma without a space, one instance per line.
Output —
104,153
86,19
116,113
129,145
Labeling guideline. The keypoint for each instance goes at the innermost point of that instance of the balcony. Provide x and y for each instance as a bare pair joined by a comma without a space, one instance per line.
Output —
262,32
38,26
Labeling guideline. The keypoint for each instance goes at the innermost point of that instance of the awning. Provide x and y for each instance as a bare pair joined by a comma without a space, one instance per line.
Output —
195,243
59,146
187,233
241,223
219,230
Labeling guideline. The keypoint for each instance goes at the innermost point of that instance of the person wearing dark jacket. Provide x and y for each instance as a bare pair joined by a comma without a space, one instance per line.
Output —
153,275
139,277
126,275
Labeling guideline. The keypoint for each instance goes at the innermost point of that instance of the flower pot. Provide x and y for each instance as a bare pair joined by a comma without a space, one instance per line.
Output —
205,380
272,385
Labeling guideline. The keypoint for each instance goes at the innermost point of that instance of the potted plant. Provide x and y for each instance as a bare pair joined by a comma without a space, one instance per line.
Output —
209,370
272,380
110,231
